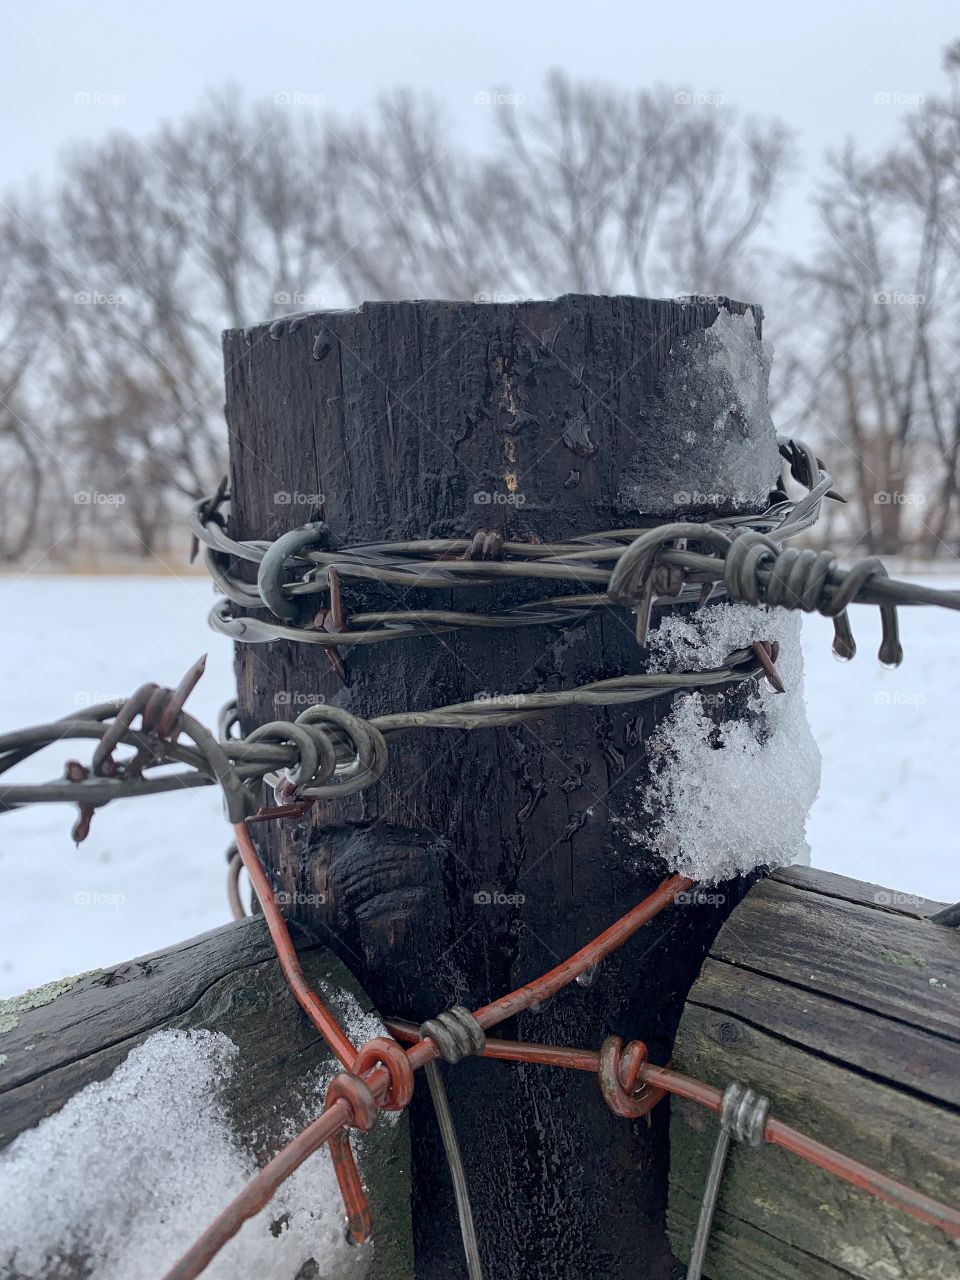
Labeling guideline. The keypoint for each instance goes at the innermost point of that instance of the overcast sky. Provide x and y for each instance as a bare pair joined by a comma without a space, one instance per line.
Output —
831,71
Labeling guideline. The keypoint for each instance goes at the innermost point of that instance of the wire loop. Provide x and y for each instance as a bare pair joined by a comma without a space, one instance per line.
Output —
383,1051
455,1032
744,1114
619,1072
364,1108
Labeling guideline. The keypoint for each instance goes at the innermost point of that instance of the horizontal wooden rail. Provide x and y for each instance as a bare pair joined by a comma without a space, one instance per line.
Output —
839,1001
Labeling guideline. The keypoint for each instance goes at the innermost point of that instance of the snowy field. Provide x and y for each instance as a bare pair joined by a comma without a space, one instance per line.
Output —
152,872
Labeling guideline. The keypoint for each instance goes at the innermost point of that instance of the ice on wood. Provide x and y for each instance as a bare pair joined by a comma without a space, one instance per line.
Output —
726,798
132,1169
710,398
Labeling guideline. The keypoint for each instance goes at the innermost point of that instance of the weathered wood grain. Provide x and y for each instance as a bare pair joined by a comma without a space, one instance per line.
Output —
746,1247
846,1034
109,1010
903,968
846,1016
832,885
229,981
539,420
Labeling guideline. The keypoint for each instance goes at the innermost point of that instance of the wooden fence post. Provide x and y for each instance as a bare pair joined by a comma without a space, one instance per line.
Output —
482,858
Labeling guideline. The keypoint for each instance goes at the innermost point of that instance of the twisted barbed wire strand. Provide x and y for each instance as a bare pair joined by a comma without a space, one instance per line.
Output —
325,752
444,563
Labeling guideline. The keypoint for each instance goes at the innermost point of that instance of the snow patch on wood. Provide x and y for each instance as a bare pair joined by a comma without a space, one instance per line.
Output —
726,796
132,1169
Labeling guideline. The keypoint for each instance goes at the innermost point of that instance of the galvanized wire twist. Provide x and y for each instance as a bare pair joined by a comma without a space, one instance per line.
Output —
744,1114
455,1032
743,1118
756,569
803,579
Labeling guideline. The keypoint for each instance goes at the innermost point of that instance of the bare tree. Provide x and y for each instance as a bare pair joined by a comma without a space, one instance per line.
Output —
882,360
600,190
925,176
24,448
146,248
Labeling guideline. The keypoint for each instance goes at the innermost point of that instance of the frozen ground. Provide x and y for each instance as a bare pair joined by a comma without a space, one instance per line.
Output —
152,871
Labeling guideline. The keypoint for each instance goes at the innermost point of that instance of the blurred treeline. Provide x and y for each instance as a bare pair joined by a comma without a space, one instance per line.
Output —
116,279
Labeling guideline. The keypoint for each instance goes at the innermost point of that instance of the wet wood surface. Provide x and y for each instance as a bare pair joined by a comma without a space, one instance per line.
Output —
483,858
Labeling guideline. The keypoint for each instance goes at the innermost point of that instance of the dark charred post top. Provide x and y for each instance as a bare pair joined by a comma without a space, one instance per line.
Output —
485,857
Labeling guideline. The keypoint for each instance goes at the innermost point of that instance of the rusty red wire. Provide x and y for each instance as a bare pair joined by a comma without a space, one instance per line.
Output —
379,1077
309,1001
665,1080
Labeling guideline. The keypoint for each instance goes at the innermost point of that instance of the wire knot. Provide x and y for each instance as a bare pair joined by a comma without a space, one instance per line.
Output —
383,1051
287,553
364,1108
486,544
619,1074
637,577
455,1032
743,1118
336,753
744,1114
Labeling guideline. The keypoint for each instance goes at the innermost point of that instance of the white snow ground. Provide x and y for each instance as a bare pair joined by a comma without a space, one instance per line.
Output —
152,872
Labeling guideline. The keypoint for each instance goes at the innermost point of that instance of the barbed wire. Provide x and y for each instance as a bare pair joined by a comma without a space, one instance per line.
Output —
485,560
328,751
325,752
636,569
